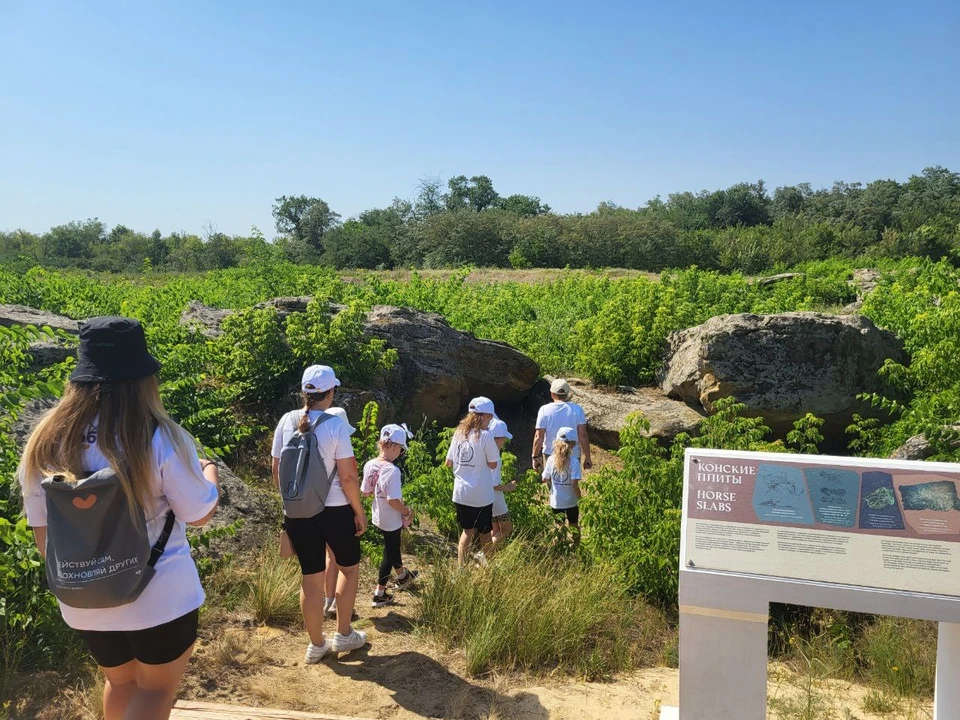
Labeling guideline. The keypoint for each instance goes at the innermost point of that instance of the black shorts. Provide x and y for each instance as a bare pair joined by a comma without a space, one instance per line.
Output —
475,518
153,646
572,515
310,536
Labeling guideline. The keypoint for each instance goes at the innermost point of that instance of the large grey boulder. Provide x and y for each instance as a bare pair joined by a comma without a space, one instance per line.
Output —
45,353
440,369
781,366
607,410
919,446
23,315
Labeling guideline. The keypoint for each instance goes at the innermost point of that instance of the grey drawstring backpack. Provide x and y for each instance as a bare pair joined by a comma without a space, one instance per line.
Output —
304,481
98,554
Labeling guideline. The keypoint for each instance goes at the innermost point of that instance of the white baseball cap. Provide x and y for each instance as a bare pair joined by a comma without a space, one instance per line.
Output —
396,434
482,405
342,414
499,429
318,379
567,434
560,388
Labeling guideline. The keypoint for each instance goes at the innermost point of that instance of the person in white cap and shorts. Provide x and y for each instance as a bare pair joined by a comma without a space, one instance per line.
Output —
333,570
562,473
555,415
340,524
381,479
473,456
502,526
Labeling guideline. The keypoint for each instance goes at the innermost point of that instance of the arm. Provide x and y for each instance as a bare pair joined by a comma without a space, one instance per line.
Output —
347,470
40,537
576,489
399,507
449,463
275,469
212,473
538,437
584,439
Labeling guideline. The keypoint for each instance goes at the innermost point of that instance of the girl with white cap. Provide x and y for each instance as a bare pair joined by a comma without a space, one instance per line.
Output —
502,525
473,456
562,473
339,525
381,478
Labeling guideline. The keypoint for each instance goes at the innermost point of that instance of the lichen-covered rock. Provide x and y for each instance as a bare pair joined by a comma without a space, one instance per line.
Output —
607,411
781,366
23,315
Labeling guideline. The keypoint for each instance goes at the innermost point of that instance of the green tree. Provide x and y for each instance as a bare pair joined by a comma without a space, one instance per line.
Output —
477,193
306,219
523,205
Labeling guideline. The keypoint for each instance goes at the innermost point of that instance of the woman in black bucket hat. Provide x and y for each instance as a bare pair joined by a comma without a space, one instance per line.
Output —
111,449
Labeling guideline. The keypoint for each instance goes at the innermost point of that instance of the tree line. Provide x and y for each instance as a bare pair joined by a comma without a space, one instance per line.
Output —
465,221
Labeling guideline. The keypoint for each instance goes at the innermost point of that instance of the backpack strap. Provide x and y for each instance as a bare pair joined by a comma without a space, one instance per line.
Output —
161,543
324,416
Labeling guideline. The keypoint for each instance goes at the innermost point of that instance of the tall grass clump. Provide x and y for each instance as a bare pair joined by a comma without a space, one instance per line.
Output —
273,590
536,612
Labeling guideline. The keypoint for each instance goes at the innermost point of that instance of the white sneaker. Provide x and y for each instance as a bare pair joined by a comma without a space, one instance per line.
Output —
480,558
346,643
330,607
315,653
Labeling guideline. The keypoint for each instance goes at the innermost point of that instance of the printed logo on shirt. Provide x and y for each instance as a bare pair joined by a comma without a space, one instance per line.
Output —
559,477
90,437
465,454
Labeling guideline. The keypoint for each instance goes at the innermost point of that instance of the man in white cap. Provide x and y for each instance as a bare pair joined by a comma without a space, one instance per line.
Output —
340,524
555,415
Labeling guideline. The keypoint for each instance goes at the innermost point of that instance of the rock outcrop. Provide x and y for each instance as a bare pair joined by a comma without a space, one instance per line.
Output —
607,410
781,366
440,368
919,446
22,315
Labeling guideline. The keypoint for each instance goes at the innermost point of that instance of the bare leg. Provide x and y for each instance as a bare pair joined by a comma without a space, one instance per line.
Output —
485,540
463,549
311,605
346,597
155,687
330,587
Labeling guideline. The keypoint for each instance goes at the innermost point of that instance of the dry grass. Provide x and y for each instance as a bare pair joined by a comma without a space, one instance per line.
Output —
273,589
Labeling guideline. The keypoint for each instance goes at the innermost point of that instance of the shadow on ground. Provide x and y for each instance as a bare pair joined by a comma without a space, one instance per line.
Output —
423,686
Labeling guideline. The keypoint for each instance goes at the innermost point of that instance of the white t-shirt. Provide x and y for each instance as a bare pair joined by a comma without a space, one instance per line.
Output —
562,494
556,415
384,479
333,442
175,590
473,477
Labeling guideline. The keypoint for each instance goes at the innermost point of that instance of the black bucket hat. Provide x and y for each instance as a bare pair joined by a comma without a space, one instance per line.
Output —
113,348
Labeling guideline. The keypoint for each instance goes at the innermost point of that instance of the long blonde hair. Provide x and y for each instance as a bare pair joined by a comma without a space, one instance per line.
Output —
472,424
562,452
126,413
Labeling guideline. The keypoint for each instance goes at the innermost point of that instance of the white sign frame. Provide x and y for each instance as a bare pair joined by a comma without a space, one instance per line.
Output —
724,615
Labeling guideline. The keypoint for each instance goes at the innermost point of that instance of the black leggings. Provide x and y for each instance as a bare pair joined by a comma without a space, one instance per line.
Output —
391,554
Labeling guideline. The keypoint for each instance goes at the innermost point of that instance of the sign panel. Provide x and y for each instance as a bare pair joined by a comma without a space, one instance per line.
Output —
885,524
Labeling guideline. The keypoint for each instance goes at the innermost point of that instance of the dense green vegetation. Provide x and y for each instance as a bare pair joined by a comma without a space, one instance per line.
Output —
228,391
742,228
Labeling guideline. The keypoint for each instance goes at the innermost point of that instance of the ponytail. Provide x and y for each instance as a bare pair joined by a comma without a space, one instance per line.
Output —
309,400
562,450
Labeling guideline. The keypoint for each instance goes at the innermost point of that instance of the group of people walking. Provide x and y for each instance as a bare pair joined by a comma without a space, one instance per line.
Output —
110,481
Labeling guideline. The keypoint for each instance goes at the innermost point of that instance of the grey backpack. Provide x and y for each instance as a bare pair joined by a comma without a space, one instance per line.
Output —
304,481
98,554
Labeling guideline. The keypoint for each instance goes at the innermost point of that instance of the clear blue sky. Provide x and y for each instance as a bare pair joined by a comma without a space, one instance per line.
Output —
175,114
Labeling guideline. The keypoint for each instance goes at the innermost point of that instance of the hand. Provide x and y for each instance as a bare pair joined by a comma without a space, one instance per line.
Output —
537,461
360,521
587,464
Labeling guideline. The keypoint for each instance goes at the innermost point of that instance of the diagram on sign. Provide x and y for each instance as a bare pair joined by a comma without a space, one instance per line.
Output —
780,495
878,504
940,496
835,493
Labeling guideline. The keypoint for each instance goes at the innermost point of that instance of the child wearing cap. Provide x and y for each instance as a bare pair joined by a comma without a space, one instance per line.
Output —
381,478
502,525
562,473
473,456
339,525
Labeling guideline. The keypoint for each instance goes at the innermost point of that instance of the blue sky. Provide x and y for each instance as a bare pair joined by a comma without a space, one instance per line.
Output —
176,114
